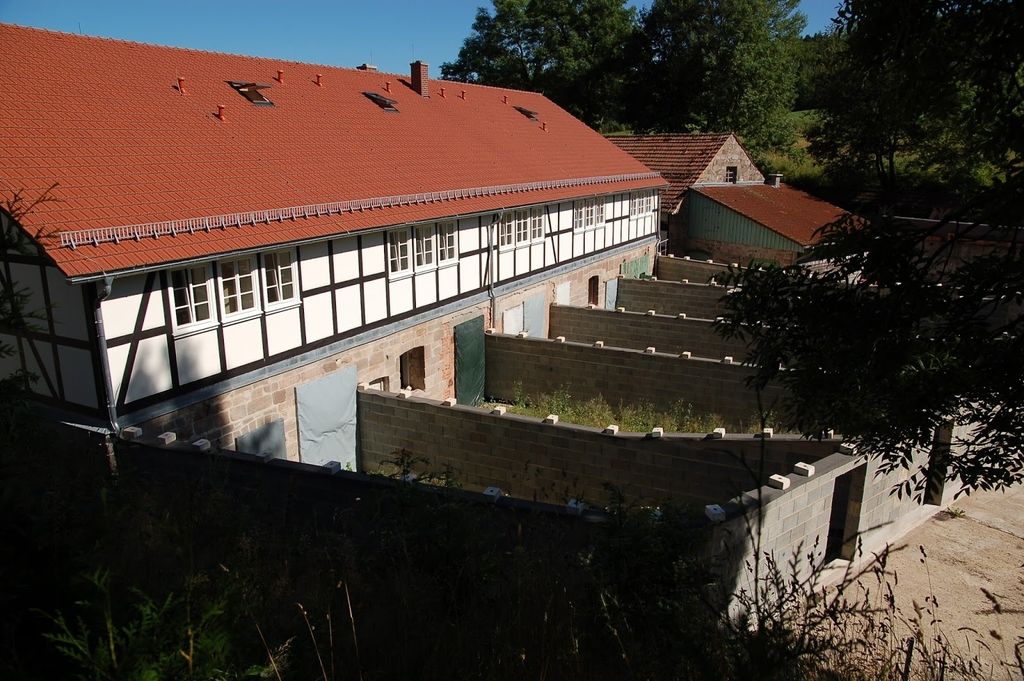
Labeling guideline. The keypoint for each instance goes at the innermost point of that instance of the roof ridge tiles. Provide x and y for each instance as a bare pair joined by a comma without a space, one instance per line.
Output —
242,55
191,50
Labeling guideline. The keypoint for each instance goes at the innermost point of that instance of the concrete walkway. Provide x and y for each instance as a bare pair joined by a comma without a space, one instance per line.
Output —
975,547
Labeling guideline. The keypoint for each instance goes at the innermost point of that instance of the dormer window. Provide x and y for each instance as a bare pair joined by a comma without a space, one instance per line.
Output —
252,92
532,115
383,102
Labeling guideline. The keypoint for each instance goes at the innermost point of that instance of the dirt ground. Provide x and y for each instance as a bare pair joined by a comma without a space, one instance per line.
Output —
975,547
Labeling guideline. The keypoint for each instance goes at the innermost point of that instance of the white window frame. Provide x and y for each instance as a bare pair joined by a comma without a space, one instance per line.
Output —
398,251
522,224
506,232
537,224
641,203
254,282
272,271
190,303
424,243
447,243
588,213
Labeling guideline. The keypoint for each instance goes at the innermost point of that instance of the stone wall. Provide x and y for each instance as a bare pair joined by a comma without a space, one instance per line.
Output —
671,298
225,416
530,459
533,366
731,154
741,253
639,331
229,415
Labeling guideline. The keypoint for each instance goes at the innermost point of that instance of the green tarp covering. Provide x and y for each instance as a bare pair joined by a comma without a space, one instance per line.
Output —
469,361
637,268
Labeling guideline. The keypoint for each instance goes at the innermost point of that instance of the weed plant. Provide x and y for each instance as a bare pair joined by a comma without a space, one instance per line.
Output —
641,417
202,571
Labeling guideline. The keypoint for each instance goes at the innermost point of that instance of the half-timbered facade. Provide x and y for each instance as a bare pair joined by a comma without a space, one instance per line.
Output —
230,270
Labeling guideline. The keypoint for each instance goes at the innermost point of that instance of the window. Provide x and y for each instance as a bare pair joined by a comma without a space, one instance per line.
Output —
593,290
424,247
398,251
191,293
279,272
446,248
238,285
522,226
383,383
588,213
731,174
505,234
536,224
532,115
383,102
640,203
252,92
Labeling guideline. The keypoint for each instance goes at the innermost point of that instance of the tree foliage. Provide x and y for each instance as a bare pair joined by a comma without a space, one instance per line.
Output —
683,65
570,50
925,86
717,65
890,346
812,65
903,334
16,319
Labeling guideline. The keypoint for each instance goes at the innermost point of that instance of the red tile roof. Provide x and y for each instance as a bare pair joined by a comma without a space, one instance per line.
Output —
790,212
680,158
105,120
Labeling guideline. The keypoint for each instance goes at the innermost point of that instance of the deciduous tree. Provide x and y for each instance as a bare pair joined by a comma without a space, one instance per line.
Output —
570,50
901,336
921,87
722,65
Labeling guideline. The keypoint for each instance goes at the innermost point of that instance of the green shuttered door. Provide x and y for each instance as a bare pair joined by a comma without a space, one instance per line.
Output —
469,361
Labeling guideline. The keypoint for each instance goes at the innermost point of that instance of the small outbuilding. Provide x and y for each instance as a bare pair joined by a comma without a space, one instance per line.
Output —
755,222
686,160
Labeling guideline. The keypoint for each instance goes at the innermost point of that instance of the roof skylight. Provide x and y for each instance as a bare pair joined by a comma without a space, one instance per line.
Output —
532,115
252,92
380,100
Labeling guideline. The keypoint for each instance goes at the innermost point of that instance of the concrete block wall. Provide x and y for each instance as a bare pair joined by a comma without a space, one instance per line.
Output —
557,462
672,268
793,525
533,366
577,280
239,411
638,330
231,414
884,515
671,298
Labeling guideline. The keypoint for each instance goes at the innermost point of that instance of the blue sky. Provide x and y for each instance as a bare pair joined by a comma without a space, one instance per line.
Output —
389,33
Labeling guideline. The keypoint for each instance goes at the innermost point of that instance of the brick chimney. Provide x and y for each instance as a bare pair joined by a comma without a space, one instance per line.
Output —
420,79
774,180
